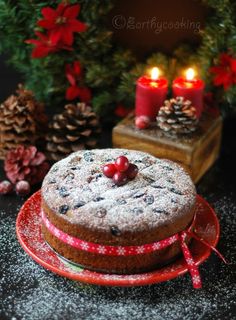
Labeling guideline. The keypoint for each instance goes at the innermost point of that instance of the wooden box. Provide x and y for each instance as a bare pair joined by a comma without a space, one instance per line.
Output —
195,152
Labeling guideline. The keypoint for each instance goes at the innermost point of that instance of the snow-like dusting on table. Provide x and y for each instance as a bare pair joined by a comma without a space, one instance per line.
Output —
160,192
29,292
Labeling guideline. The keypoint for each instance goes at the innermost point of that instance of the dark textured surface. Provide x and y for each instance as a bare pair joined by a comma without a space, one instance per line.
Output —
30,292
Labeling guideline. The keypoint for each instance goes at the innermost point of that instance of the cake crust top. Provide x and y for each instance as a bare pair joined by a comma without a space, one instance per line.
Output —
76,189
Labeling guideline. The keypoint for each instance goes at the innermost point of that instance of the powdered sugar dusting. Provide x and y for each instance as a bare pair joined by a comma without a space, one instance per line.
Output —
29,292
160,192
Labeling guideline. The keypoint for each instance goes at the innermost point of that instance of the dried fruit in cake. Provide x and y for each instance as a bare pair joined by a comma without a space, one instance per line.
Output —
156,204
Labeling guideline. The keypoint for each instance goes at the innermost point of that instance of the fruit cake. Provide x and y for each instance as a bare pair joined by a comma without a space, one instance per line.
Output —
111,210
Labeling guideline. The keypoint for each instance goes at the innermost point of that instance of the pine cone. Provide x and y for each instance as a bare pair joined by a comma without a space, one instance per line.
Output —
177,116
25,163
22,120
76,128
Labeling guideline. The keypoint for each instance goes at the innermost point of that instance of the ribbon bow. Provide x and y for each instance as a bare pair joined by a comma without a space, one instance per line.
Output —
192,266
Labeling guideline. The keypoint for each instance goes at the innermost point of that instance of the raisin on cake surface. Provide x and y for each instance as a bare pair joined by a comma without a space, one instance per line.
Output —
76,189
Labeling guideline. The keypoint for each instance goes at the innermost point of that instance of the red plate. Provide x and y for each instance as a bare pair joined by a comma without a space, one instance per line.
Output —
28,229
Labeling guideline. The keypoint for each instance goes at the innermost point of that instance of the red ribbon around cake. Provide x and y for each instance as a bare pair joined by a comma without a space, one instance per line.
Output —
134,250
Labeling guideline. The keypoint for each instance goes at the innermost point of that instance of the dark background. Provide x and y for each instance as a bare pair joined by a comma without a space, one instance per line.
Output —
8,79
144,39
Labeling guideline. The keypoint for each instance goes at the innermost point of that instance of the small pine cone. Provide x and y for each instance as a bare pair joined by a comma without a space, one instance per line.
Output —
76,128
25,163
22,120
177,116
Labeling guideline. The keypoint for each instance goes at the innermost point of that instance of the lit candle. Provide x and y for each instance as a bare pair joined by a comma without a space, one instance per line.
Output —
191,88
150,94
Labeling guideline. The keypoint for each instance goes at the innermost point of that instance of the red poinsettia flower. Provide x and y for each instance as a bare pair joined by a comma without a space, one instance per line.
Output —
62,23
73,74
82,92
121,111
44,45
225,71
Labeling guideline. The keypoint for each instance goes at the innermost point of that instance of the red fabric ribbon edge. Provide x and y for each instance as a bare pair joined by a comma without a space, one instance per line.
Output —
119,250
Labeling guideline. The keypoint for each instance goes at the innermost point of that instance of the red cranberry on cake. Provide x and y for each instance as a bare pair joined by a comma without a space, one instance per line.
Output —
116,201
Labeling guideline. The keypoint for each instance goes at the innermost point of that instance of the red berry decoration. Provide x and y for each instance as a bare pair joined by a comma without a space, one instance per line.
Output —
120,178
121,171
109,170
132,171
5,187
142,122
122,164
22,188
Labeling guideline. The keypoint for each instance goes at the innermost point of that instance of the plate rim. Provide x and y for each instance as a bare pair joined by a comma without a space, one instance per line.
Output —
121,282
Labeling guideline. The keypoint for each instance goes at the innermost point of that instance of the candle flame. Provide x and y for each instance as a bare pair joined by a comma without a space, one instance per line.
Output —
155,73
190,73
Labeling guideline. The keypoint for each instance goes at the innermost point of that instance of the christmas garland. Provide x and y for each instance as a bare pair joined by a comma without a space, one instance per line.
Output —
73,56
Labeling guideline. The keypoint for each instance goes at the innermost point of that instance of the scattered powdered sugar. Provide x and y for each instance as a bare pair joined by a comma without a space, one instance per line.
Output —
30,292
77,189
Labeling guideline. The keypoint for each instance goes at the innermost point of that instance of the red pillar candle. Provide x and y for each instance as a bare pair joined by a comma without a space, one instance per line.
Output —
150,95
191,89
